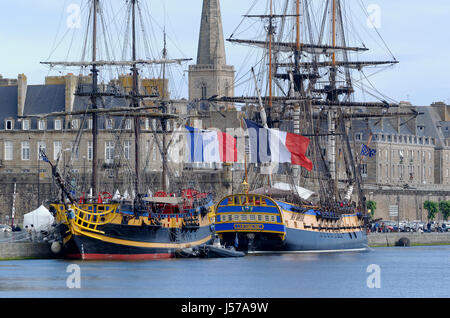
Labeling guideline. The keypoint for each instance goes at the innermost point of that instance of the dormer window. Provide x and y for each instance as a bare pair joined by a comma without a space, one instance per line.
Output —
26,124
41,124
9,125
58,124
109,124
128,124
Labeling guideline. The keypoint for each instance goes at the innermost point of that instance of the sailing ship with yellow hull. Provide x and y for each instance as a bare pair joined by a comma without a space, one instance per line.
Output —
108,231
147,227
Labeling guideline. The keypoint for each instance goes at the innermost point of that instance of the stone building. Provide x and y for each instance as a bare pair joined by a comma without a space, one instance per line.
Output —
22,137
411,164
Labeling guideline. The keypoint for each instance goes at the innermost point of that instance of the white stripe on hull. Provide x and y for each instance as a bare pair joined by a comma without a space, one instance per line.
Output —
311,251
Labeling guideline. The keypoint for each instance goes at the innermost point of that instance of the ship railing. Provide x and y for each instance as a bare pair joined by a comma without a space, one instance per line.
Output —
91,220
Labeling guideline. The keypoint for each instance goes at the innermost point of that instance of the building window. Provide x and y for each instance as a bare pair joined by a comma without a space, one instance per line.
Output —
57,148
41,145
41,124
364,169
109,124
25,150
127,149
109,151
204,91
89,151
58,124
446,173
9,150
9,125
128,124
89,123
75,124
26,124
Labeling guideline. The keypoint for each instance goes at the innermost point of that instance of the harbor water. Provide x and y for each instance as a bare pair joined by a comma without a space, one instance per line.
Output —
392,272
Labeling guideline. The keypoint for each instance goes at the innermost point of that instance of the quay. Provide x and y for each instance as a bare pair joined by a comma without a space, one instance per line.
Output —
28,250
408,239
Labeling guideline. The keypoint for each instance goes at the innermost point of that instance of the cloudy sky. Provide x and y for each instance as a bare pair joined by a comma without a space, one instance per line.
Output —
416,31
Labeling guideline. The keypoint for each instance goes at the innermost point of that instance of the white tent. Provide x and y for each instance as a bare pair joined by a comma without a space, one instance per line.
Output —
41,218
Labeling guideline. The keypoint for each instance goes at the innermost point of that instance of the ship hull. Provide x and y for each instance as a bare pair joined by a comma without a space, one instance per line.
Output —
259,224
310,241
139,244
297,241
101,232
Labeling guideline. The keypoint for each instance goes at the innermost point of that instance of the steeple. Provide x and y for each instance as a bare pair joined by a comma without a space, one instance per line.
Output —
211,47
211,76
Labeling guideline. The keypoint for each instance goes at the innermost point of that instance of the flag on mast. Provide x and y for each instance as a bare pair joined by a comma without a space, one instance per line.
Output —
271,145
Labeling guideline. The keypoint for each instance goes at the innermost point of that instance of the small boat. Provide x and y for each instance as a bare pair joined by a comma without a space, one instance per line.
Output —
187,252
217,250
213,251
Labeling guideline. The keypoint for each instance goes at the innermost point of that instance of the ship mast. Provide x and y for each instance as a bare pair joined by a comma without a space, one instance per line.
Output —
94,99
270,54
135,101
164,122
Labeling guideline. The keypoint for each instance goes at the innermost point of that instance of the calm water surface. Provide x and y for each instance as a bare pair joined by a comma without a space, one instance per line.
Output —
405,272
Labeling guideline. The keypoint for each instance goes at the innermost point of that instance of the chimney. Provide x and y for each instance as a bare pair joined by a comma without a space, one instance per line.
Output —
21,93
71,85
412,124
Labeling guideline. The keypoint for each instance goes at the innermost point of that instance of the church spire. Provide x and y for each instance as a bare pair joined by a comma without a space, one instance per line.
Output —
211,76
211,47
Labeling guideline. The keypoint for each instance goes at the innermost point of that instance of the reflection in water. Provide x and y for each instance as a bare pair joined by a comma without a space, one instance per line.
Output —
405,272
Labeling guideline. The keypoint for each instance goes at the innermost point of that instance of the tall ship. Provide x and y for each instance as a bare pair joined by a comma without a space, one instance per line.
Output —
142,225
300,133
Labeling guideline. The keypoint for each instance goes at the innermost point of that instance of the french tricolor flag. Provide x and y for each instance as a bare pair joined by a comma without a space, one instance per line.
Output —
271,145
210,146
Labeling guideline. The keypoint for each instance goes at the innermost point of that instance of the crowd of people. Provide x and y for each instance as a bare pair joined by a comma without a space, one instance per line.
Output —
382,227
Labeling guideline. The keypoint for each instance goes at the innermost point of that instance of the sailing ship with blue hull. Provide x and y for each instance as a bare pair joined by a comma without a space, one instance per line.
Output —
307,112
145,226
262,224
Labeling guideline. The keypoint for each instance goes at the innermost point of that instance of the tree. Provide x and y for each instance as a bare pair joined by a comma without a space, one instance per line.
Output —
432,208
444,208
372,206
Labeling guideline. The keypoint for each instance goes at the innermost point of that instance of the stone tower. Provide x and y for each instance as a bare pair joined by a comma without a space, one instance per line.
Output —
211,76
